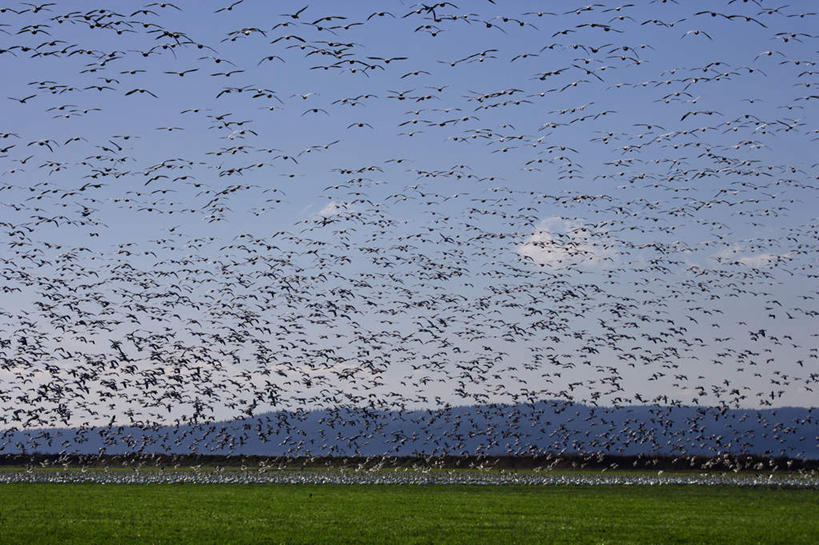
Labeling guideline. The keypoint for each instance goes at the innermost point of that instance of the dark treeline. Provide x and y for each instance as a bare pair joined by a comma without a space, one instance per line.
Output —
602,462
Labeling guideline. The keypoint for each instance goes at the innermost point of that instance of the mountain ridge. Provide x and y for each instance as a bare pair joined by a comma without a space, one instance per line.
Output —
494,430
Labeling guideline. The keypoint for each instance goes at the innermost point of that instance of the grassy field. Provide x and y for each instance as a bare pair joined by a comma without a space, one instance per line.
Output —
314,514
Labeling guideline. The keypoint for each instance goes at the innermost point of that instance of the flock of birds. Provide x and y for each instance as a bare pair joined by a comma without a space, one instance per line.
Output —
416,476
220,210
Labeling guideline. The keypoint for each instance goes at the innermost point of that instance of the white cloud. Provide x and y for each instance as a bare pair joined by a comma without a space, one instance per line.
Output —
759,260
564,243
737,254
332,208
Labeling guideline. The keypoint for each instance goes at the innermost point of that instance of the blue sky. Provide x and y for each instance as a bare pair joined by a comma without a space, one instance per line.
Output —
614,216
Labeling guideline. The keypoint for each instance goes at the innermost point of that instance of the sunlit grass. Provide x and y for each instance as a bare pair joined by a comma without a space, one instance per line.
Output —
301,514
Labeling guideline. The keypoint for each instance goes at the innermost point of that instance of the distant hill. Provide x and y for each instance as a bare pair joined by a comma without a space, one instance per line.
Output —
526,429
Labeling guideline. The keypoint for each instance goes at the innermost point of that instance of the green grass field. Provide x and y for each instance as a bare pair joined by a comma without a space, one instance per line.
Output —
223,514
